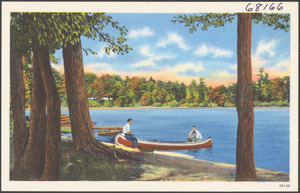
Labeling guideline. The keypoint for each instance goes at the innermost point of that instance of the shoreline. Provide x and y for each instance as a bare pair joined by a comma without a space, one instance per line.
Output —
171,166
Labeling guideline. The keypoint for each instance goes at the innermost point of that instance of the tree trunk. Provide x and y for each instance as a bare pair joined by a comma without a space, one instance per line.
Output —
53,137
33,160
17,94
81,126
245,167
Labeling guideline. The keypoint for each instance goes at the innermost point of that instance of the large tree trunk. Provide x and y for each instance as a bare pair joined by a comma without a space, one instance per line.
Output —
53,137
34,158
81,126
17,94
245,167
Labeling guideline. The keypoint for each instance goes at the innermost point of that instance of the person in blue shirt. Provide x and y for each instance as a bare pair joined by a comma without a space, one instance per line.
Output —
194,135
128,134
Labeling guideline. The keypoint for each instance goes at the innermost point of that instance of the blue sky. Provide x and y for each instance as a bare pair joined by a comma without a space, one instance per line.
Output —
166,51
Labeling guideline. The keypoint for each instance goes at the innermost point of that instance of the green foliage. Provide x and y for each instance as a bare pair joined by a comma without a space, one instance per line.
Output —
193,104
276,20
93,103
27,79
157,104
205,20
107,104
64,103
282,103
29,30
89,78
66,130
174,103
59,84
196,95
212,105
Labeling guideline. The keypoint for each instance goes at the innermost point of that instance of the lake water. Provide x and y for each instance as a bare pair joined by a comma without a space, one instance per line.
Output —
271,135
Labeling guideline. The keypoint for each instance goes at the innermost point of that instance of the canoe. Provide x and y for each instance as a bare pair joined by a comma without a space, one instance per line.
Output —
149,146
109,132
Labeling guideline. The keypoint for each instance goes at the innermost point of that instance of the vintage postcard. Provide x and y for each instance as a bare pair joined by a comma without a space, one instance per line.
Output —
149,96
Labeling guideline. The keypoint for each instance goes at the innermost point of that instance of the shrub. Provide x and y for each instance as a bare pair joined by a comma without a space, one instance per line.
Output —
116,103
212,105
133,104
202,105
138,104
185,105
229,104
193,104
107,104
174,103
93,103
157,104
182,101
282,104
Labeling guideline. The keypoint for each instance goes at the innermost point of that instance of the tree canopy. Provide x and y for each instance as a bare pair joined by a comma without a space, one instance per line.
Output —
275,20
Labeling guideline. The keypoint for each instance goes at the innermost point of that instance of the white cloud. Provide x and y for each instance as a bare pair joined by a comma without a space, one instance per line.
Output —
145,63
146,31
151,58
145,51
174,38
205,50
150,61
265,47
188,66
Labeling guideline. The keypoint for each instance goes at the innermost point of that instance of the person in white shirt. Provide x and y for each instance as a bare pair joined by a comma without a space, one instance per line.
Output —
194,135
128,134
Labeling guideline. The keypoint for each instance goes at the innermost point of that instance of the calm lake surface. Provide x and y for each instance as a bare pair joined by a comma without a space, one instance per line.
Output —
271,135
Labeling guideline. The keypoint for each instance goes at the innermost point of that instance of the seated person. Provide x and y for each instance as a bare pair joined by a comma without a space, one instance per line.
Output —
194,135
128,135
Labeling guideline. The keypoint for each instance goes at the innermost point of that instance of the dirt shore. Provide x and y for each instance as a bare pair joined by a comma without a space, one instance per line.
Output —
166,166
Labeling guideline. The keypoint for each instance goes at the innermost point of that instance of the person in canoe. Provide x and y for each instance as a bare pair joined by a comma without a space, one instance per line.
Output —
194,135
128,134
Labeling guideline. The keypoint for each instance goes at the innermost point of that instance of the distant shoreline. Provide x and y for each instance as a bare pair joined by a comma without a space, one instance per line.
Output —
149,107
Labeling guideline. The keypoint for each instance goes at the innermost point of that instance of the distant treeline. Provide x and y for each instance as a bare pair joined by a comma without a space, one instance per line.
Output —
112,91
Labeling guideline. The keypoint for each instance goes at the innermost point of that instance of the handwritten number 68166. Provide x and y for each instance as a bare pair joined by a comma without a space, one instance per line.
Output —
263,7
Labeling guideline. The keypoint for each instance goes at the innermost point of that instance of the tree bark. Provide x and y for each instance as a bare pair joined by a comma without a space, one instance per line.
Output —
245,167
81,126
53,137
33,161
17,94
